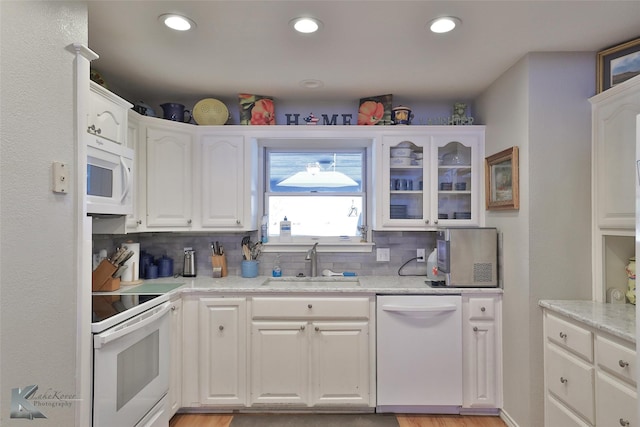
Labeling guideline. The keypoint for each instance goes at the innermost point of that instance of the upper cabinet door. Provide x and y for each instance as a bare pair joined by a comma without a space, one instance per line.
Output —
107,115
455,179
614,151
223,180
169,183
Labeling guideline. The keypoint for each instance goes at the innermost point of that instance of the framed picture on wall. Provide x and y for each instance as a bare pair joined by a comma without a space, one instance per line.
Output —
501,180
617,64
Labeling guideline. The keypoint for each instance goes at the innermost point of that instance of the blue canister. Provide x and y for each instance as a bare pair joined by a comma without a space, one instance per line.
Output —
152,271
165,267
145,261
249,268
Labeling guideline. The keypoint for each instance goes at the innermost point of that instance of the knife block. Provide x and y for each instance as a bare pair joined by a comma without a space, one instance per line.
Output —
220,261
102,280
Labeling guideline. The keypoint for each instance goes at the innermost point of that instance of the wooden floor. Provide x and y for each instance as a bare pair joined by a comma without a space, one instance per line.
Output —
215,420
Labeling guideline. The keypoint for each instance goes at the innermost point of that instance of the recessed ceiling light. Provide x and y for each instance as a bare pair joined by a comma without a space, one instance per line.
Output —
177,22
311,84
444,24
306,25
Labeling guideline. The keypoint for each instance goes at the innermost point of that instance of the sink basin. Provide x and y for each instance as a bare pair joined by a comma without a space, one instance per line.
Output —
310,282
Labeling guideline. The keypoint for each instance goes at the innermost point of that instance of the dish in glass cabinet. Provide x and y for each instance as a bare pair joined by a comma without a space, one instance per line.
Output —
210,111
401,161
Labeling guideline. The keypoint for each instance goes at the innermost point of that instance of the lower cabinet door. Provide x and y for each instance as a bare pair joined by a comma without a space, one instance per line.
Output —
340,363
557,415
279,363
223,351
617,403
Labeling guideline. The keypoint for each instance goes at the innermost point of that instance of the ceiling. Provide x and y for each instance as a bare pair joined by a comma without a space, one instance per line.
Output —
364,48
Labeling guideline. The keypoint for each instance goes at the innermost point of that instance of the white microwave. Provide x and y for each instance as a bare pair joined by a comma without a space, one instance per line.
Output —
109,177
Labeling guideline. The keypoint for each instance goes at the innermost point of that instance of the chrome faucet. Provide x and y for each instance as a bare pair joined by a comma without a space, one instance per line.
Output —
312,255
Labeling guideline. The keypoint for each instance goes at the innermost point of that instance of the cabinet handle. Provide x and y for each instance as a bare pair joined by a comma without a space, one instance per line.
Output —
483,309
189,222
563,380
426,221
624,422
317,328
622,363
92,129
173,308
302,327
139,222
309,305
238,221
475,329
563,335
435,221
221,327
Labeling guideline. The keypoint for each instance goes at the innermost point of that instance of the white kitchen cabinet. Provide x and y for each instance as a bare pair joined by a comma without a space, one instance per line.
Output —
169,194
134,220
226,165
429,179
107,114
613,175
482,355
222,362
312,352
590,375
175,379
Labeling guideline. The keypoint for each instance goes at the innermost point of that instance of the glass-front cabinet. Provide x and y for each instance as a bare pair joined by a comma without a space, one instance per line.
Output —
429,179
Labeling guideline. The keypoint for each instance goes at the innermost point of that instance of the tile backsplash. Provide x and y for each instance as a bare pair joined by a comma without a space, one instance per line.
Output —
402,247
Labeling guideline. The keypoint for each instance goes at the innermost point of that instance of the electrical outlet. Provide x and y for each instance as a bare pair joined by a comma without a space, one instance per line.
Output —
420,253
383,254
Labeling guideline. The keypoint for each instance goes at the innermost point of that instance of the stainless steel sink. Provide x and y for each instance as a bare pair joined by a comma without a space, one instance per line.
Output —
310,282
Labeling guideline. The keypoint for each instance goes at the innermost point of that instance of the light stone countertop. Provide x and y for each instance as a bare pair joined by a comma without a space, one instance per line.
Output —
267,285
616,319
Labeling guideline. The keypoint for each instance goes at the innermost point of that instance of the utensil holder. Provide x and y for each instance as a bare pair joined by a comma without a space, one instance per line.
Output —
249,268
220,261
101,280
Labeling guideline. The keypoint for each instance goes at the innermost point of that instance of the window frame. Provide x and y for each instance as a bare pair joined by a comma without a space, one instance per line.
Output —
301,144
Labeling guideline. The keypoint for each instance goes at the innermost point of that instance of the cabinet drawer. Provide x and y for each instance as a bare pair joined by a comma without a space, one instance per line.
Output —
481,309
310,308
557,415
617,403
571,381
616,359
570,336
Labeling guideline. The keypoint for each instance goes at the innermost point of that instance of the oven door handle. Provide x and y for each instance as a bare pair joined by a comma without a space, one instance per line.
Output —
131,325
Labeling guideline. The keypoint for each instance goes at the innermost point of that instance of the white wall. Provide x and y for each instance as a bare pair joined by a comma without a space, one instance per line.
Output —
541,105
39,242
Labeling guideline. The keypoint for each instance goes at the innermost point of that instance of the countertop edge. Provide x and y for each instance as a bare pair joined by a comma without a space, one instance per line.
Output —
616,319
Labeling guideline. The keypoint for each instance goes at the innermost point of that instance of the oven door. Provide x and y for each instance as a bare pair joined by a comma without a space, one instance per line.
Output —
131,368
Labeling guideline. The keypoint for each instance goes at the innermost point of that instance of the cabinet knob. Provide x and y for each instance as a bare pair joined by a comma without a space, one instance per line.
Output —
563,380
563,335
622,363
317,328
483,309
221,327
189,221
302,327
475,329
435,221
173,308
139,222
309,306
238,221
624,422
426,221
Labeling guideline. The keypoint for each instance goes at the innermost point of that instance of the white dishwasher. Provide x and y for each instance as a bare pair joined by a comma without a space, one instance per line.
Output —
419,353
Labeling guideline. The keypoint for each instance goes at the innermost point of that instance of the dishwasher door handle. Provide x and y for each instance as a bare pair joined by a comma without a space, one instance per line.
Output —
419,308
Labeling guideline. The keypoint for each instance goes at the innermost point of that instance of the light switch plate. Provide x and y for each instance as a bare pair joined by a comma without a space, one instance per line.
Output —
383,254
60,178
